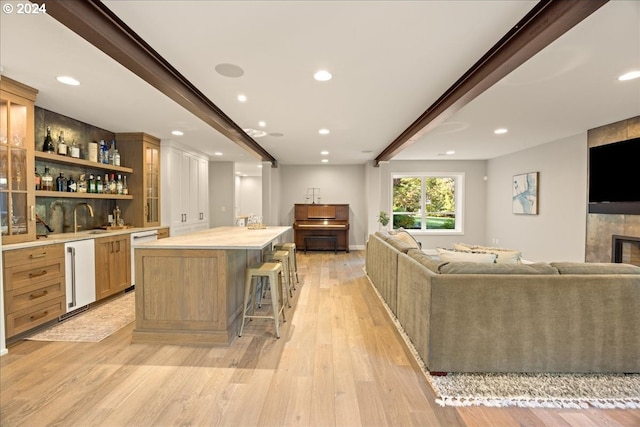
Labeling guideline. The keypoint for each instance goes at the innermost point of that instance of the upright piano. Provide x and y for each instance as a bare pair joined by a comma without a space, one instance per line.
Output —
321,227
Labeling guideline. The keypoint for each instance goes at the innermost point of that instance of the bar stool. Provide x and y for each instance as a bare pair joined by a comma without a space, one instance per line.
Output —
293,262
273,272
283,258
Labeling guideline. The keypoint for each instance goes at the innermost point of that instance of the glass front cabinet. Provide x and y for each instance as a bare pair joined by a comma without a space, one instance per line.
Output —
143,152
17,192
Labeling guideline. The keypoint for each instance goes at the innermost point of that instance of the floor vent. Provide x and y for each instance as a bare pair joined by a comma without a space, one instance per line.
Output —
73,313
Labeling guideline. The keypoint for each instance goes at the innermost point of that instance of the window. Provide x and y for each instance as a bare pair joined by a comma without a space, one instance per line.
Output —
428,202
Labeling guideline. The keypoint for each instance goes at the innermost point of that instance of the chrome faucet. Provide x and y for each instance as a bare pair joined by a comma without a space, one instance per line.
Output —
75,216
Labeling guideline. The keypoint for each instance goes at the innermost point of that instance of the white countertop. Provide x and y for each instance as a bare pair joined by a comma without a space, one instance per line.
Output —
52,239
220,238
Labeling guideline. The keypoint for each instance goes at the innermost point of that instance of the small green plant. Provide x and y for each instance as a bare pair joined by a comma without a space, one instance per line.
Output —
383,218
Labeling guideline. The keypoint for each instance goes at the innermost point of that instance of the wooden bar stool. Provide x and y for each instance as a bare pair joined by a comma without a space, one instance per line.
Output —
273,272
283,258
293,262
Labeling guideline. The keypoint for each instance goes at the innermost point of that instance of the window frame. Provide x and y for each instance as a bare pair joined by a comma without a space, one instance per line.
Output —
459,179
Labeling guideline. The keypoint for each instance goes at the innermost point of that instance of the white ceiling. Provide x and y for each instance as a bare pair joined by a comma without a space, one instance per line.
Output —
390,61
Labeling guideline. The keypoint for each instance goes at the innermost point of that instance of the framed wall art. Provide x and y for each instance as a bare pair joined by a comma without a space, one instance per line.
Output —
525,193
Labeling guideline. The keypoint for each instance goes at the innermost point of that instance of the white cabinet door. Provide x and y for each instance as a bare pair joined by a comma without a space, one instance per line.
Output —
80,273
173,188
193,216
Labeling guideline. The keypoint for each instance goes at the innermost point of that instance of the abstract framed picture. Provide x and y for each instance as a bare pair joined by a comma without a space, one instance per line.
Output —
525,193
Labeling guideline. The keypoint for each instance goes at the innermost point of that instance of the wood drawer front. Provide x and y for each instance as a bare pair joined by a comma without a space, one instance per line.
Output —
33,255
23,320
163,233
36,293
27,274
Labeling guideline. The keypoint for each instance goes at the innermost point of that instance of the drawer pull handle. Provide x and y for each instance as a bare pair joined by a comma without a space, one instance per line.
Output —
44,314
34,256
34,296
42,273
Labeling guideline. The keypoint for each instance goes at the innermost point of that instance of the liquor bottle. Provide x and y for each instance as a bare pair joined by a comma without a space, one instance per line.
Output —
37,180
74,150
62,146
47,146
112,185
61,183
98,185
112,151
119,185
125,188
71,185
101,151
105,184
82,184
46,181
116,158
91,184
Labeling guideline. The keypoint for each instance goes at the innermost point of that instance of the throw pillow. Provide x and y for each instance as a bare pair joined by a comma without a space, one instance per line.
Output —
448,255
406,237
503,255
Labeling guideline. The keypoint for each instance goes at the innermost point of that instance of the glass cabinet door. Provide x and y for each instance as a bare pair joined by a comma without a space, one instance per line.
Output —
17,203
152,184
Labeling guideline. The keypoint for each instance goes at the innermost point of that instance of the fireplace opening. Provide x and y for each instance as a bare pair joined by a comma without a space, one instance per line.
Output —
625,249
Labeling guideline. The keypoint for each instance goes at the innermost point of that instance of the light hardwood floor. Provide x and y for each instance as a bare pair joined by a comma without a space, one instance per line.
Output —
340,362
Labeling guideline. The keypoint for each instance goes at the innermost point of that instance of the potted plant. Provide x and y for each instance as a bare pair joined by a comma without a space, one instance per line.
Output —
383,219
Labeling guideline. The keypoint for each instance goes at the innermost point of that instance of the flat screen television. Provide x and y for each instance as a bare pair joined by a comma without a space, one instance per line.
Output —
614,178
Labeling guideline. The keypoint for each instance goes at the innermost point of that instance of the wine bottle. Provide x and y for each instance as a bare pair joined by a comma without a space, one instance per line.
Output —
46,181
48,147
37,181
71,185
61,183
62,146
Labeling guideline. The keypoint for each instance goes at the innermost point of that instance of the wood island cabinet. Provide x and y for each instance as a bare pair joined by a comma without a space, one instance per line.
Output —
17,191
34,287
142,153
113,265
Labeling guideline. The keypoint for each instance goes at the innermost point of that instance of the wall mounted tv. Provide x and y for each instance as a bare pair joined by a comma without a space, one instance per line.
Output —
614,178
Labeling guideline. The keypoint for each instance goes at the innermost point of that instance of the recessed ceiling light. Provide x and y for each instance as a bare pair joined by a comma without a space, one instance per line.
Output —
324,153
630,75
217,153
255,133
500,131
242,98
325,160
323,131
260,166
322,75
262,123
450,152
276,134
177,132
68,80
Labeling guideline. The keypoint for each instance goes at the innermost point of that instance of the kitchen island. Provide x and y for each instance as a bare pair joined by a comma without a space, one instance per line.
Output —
190,288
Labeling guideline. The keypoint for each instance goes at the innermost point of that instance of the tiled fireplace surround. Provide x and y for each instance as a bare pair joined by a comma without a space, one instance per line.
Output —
602,227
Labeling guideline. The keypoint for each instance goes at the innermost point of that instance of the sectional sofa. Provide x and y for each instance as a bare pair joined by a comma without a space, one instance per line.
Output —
509,317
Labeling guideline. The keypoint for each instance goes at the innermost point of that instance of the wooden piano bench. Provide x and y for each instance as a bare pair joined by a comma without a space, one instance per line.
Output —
334,239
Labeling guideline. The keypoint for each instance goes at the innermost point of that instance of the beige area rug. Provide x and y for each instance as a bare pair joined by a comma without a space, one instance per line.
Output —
603,391
93,325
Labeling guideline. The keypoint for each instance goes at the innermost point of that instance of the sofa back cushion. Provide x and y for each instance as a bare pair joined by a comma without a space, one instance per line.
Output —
489,268
448,255
595,268
424,259
406,237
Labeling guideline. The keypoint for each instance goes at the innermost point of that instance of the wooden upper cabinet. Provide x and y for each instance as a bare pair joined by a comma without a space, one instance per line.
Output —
141,152
17,144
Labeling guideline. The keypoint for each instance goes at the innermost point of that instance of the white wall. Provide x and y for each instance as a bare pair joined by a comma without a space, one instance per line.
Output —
338,184
221,194
249,195
558,232
474,209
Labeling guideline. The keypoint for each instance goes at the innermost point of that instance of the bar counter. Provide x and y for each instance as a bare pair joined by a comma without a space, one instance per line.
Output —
190,288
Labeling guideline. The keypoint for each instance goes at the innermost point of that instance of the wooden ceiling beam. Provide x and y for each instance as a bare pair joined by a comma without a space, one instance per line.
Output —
97,24
546,22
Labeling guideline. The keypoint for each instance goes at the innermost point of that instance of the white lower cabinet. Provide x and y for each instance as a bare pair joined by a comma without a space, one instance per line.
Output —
185,187
80,273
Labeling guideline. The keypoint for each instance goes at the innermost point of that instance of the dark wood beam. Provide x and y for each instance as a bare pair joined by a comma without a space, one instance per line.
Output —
546,22
97,24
